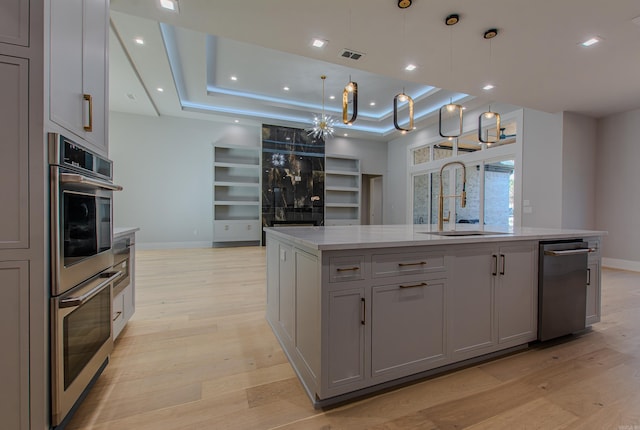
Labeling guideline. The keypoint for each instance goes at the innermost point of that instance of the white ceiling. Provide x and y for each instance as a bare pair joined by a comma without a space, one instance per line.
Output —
535,61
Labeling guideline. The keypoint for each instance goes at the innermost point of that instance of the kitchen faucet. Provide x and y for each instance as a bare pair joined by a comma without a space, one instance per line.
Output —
462,195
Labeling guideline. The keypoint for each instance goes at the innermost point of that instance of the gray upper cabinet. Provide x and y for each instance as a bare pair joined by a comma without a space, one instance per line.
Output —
14,147
14,22
78,69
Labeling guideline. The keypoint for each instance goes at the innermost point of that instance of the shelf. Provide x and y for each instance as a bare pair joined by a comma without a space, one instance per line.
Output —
342,190
236,193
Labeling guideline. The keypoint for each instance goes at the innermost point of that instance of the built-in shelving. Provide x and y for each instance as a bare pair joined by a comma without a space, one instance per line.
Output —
236,194
342,190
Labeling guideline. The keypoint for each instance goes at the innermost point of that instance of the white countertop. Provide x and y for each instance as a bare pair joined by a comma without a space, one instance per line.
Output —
383,236
123,231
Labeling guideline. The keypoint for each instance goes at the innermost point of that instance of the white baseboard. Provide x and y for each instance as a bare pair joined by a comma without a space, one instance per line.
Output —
615,263
172,245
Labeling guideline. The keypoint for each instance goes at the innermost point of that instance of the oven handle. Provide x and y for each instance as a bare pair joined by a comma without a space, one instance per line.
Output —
73,178
79,300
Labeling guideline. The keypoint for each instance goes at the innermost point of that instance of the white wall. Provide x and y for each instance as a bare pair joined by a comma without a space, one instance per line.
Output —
542,169
578,171
166,168
617,188
372,154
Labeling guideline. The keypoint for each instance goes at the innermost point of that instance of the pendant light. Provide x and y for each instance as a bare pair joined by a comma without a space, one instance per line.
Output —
489,122
489,127
322,125
450,115
402,97
350,88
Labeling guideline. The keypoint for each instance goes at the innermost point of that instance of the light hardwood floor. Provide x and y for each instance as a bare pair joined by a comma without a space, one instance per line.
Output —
198,354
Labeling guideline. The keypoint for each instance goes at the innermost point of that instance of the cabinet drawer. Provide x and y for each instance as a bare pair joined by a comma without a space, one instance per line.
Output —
351,268
230,231
386,265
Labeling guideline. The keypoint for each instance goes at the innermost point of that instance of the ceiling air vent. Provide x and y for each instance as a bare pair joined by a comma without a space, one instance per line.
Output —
354,55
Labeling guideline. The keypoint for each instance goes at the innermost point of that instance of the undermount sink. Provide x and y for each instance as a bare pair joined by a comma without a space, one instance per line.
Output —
464,233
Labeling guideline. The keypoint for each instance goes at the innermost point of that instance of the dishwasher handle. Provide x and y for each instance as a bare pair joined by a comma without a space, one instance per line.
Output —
569,252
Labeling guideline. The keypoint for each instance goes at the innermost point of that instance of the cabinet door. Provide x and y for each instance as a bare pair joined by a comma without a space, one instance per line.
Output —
65,85
14,22
516,293
593,293
471,322
14,338
95,79
346,319
407,328
14,146
78,68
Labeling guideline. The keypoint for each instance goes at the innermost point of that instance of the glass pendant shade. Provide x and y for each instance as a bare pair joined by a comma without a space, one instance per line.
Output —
489,127
402,97
350,88
450,120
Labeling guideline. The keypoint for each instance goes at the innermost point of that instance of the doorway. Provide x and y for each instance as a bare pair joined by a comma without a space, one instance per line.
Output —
371,209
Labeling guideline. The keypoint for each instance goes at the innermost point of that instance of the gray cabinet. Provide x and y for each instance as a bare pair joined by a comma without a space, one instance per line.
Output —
124,301
493,297
471,301
14,338
346,321
14,22
78,69
517,293
14,152
407,327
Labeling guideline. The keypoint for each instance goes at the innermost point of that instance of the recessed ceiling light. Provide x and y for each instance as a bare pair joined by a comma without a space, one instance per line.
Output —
332,97
171,5
318,43
286,88
139,40
234,78
411,67
488,87
590,42
346,134
464,108
372,103
236,121
160,89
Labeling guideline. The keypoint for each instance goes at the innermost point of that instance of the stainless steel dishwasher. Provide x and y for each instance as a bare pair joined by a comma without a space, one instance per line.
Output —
562,288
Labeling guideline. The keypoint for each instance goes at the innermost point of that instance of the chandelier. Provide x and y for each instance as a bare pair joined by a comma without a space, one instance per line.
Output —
323,124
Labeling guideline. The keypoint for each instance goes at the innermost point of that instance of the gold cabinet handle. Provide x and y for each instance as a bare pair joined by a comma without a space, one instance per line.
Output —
88,98
421,284
421,263
347,269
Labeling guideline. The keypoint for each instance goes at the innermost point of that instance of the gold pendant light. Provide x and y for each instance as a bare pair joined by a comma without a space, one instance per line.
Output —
350,88
402,97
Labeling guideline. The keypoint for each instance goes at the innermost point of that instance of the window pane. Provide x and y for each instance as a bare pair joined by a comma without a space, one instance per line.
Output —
498,193
420,199
443,150
435,193
421,155
508,131
470,214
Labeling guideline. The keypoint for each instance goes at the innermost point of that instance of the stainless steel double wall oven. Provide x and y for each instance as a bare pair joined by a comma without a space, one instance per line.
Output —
82,275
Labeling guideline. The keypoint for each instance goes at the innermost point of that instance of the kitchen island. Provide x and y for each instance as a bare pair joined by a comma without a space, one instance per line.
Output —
358,309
